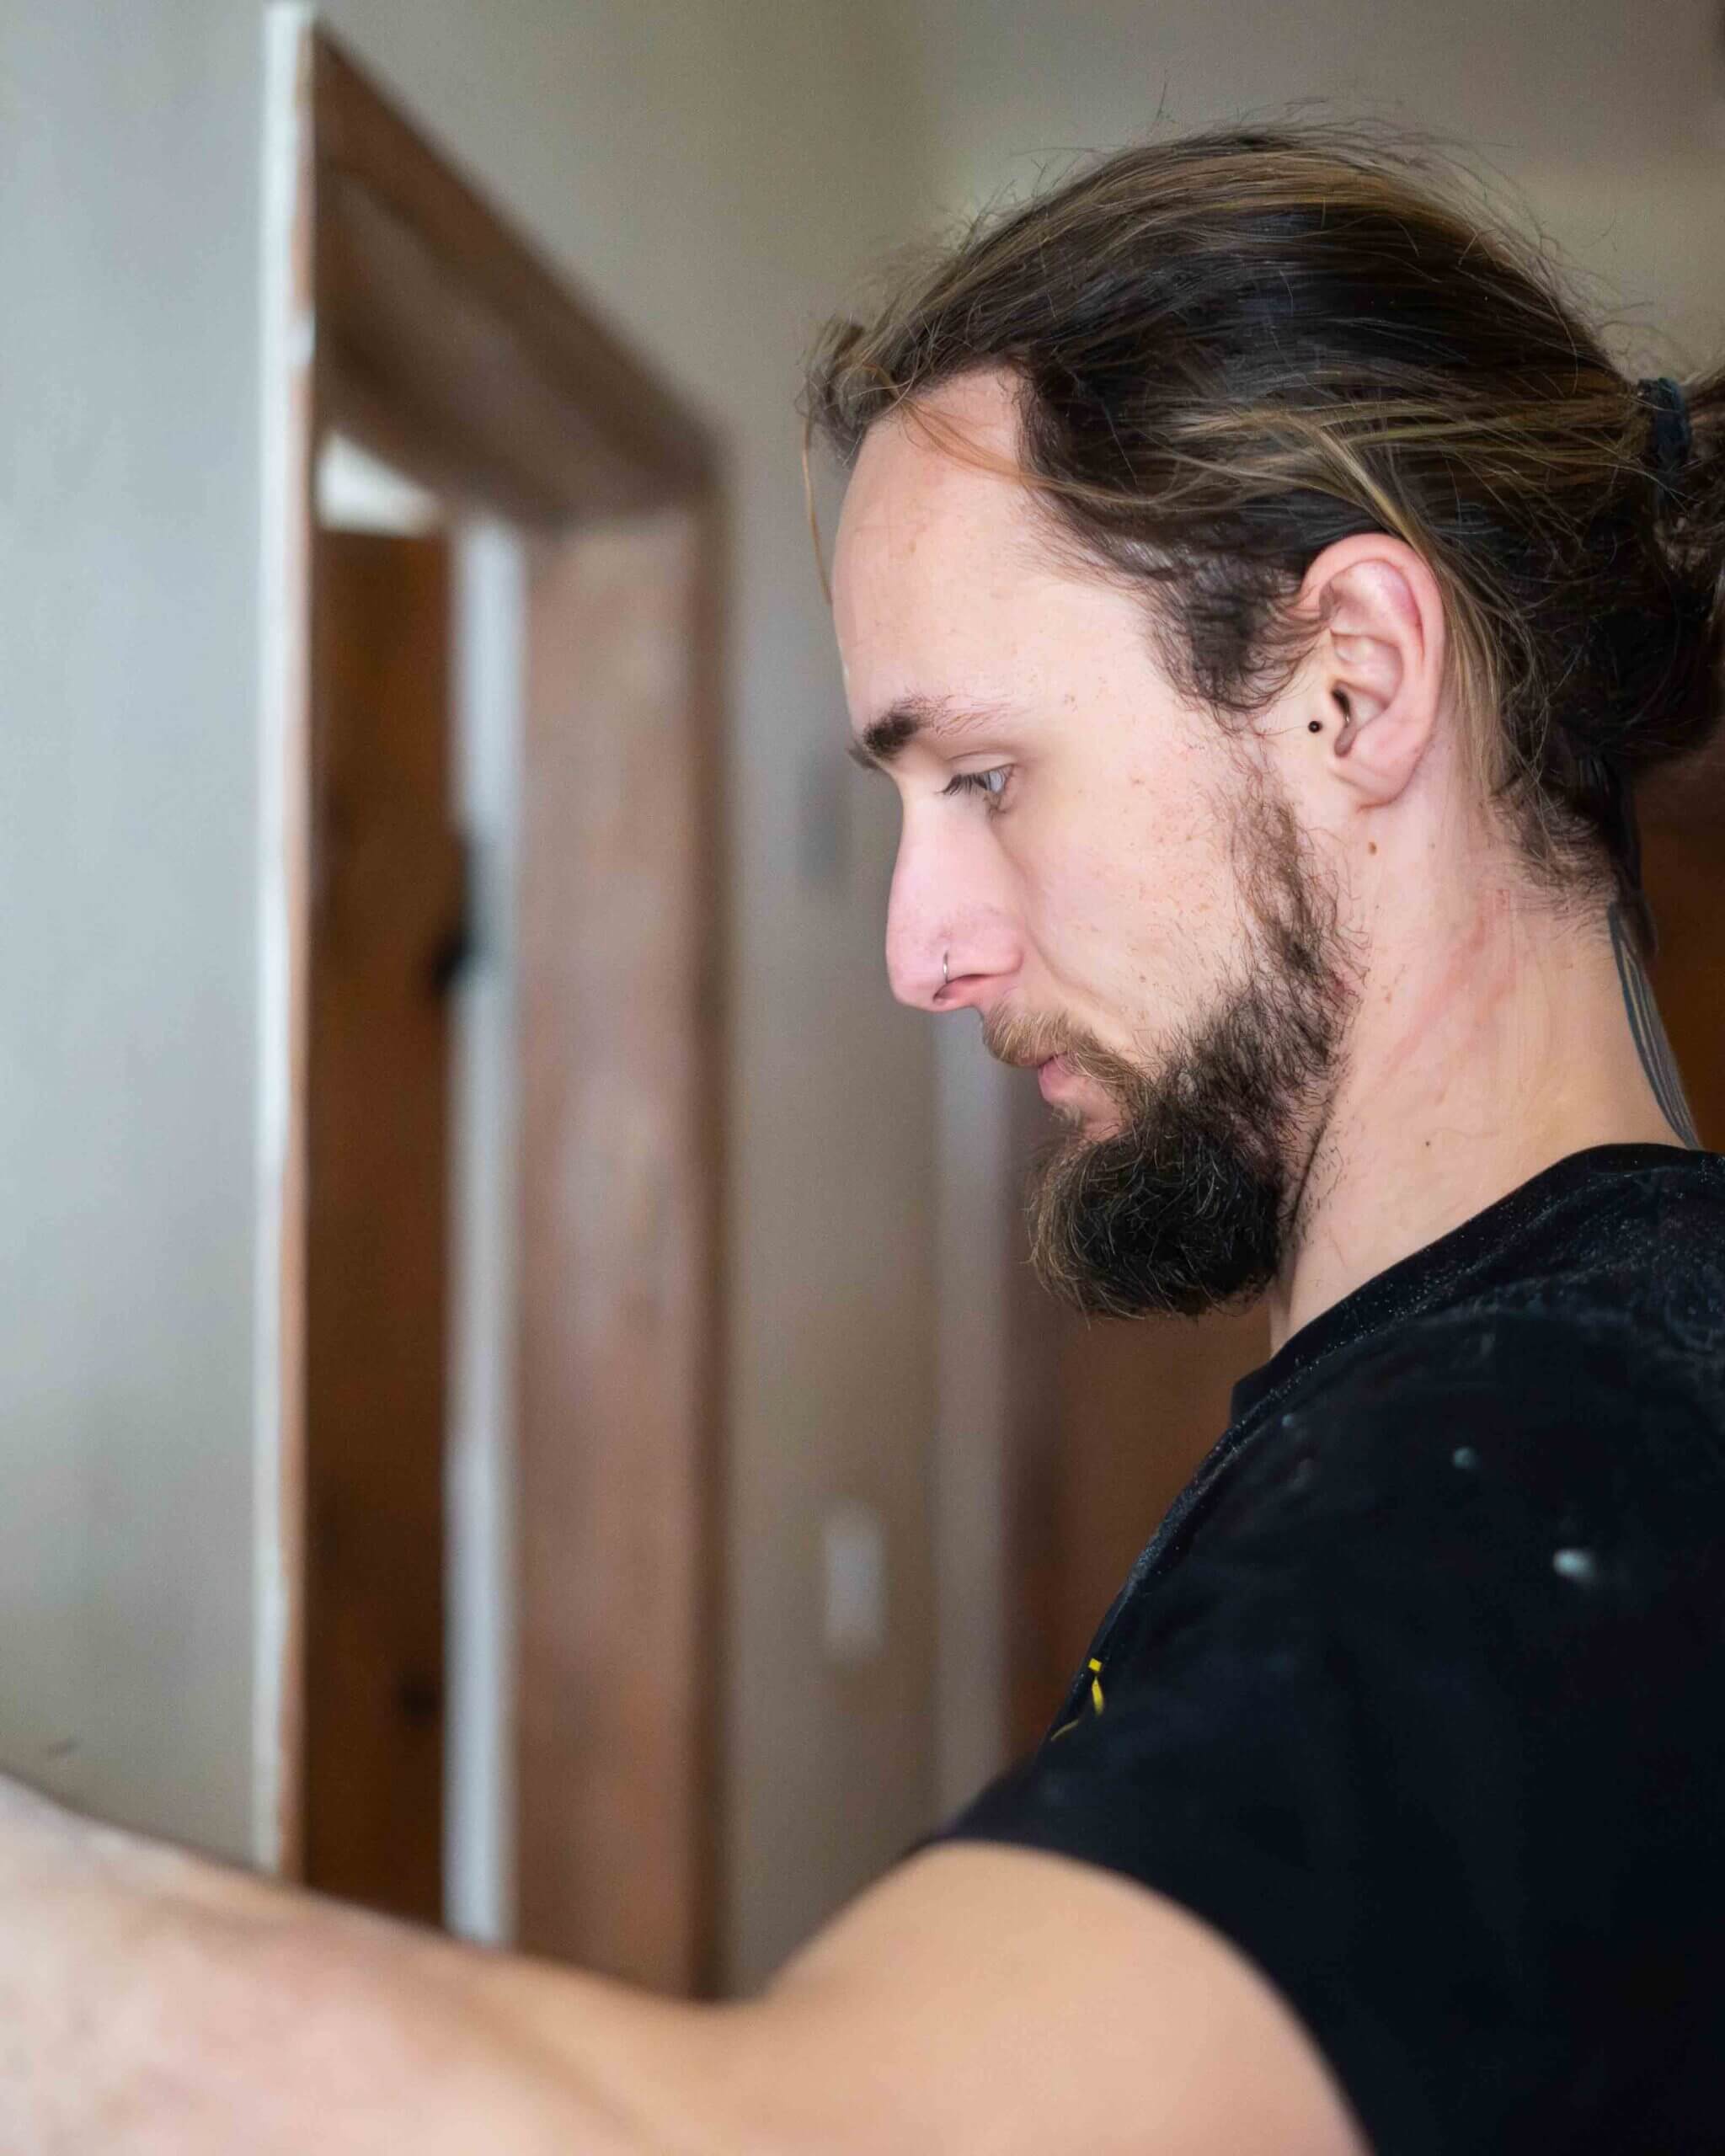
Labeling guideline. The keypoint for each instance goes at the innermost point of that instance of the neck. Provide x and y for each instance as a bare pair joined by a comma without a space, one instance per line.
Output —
1491,1038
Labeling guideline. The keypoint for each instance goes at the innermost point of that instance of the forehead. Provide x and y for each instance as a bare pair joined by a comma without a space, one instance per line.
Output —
951,594
937,538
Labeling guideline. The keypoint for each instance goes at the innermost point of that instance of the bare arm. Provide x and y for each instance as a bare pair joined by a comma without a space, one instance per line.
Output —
153,2002
978,2000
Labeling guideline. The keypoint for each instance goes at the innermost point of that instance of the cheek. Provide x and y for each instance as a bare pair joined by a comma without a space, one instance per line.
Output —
1127,897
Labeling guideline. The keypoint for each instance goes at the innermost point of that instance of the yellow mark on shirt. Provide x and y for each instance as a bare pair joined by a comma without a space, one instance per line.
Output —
1095,1700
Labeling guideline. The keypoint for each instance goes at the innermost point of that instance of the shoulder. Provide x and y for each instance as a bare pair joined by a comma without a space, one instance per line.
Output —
1586,1332
1581,1402
1494,1509
1641,1239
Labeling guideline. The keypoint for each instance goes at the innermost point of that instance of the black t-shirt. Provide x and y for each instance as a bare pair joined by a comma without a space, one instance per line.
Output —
1418,1694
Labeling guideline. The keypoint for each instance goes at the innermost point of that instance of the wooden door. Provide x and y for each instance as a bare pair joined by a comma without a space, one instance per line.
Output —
404,312
1685,881
385,916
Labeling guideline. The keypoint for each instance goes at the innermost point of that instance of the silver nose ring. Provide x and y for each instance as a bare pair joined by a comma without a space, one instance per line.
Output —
946,977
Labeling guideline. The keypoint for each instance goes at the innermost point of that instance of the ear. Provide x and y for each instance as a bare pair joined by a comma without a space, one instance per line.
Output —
1378,665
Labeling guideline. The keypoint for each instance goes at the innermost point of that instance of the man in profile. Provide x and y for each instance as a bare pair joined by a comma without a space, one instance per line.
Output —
1264,593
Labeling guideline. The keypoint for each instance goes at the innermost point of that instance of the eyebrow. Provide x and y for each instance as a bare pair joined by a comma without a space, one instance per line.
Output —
883,738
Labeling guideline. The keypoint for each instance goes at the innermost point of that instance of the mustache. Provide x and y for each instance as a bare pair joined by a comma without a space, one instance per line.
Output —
1024,1040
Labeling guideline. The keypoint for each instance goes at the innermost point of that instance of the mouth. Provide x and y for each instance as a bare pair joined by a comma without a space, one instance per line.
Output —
1076,1099
1059,1077
1031,1058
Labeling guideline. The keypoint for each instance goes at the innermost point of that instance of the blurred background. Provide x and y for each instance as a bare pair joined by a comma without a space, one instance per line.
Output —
518,1396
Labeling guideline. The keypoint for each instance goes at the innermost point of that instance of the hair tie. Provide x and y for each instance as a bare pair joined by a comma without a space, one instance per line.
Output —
1673,437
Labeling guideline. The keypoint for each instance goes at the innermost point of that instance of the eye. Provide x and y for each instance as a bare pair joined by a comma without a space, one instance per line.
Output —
991,785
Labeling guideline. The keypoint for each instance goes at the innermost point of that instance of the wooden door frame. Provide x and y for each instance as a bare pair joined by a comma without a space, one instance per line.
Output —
402,310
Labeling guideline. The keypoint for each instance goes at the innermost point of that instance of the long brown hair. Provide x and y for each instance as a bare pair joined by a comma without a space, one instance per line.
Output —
1236,347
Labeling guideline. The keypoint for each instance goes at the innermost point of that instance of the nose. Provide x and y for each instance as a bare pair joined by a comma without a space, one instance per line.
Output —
951,941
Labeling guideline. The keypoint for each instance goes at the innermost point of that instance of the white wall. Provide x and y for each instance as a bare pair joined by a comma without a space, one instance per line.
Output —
1603,123
128,463
1013,86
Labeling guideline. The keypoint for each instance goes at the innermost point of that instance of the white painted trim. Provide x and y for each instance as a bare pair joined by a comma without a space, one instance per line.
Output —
358,491
285,354
489,620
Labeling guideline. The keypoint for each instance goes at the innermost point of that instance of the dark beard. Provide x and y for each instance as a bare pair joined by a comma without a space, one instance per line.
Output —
1190,1205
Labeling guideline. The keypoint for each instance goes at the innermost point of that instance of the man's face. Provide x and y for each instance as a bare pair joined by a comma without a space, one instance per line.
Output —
1091,864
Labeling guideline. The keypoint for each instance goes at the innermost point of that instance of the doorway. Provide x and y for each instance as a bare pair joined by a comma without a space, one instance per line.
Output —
408,322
